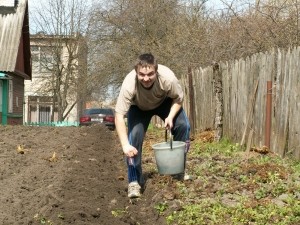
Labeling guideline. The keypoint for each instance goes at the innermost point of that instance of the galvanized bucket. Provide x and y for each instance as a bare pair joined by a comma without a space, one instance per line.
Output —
169,156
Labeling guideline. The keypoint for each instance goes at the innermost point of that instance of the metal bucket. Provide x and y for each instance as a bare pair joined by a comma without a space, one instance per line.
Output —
169,156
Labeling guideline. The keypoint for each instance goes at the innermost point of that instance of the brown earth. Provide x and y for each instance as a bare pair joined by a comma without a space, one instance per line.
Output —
71,175
77,175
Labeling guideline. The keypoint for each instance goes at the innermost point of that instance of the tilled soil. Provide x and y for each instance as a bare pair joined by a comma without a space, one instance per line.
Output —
77,175
69,175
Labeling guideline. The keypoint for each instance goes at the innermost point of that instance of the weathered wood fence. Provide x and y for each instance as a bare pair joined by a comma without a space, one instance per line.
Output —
231,98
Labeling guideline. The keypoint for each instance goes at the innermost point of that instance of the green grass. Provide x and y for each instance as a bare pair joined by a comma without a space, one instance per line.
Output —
232,189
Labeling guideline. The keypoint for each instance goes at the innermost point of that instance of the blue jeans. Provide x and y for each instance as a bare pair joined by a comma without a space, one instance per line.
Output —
138,122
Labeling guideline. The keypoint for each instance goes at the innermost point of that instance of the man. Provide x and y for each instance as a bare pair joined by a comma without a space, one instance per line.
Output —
150,89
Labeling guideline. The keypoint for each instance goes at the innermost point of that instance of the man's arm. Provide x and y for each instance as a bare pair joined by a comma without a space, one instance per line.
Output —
173,111
121,128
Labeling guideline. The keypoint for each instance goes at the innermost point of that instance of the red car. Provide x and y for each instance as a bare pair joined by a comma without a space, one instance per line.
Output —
104,116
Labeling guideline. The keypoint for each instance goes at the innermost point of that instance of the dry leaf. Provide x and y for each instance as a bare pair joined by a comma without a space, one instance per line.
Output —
20,149
53,158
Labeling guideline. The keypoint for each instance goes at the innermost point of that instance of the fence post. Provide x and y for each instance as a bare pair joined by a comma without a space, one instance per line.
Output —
192,101
268,114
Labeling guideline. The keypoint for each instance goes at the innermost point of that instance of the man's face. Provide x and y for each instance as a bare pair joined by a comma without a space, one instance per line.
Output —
146,76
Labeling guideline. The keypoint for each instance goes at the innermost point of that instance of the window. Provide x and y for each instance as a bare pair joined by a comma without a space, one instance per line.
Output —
44,58
98,111
44,114
41,109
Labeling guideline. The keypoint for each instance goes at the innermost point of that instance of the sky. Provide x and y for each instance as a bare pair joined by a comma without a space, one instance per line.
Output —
219,4
210,3
214,3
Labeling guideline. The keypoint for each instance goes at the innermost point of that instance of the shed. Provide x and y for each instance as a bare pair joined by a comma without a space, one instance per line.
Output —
15,59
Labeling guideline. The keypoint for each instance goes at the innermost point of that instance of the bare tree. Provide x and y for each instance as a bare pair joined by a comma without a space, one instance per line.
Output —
62,24
123,29
180,33
245,27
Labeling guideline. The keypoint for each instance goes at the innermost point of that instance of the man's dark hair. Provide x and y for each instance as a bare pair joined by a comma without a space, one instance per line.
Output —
146,59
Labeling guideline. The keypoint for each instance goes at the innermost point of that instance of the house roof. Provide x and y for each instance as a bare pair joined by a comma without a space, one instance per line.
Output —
14,27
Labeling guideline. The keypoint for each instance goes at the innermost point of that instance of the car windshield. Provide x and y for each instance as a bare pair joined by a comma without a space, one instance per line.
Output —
98,111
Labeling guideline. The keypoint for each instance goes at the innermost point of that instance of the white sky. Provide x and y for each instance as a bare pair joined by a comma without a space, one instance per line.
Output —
210,3
219,4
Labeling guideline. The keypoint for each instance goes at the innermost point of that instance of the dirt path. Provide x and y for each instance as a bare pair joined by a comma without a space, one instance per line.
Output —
68,175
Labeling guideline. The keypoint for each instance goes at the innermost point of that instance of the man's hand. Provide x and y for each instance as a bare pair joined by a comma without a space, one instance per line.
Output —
173,111
169,123
129,150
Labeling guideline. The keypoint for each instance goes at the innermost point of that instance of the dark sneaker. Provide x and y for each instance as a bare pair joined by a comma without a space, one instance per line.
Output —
134,190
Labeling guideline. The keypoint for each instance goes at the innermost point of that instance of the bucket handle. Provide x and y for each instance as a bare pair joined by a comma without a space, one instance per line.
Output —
171,138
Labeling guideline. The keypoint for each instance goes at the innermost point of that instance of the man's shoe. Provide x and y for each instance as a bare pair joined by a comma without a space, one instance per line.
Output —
188,177
182,177
134,190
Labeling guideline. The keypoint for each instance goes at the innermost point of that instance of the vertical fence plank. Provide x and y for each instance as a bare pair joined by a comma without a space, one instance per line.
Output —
282,103
294,119
226,80
239,78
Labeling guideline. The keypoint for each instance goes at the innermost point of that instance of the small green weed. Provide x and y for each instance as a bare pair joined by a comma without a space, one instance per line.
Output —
161,207
42,219
119,212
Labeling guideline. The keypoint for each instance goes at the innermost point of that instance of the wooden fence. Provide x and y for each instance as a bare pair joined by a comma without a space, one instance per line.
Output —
232,97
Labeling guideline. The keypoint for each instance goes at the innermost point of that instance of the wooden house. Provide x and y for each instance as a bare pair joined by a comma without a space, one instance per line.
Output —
15,59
